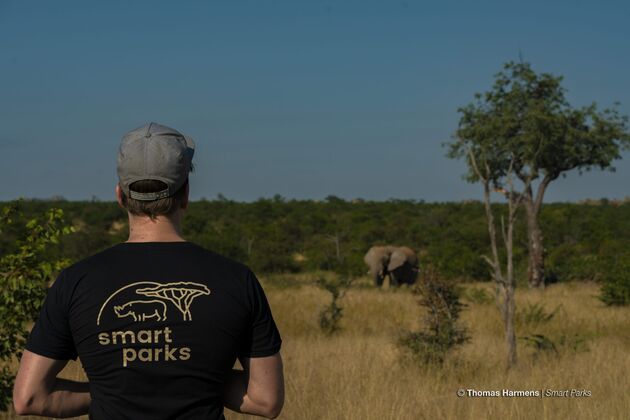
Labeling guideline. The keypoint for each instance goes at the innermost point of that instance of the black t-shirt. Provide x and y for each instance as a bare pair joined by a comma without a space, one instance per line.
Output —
157,326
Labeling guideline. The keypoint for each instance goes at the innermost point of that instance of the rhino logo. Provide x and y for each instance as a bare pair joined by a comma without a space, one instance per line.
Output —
141,310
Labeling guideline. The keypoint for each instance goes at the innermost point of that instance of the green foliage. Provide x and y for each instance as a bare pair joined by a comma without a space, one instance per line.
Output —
526,115
442,333
330,316
24,280
275,236
534,314
615,289
524,128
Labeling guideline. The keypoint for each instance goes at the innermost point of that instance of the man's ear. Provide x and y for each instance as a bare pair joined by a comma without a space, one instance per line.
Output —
119,196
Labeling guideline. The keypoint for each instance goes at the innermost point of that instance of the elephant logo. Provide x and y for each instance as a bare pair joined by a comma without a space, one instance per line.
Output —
147,300
141,310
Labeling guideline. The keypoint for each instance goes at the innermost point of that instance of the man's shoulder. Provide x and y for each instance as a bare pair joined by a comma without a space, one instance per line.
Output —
87,263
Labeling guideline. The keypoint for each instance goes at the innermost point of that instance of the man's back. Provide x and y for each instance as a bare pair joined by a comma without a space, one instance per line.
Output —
157,326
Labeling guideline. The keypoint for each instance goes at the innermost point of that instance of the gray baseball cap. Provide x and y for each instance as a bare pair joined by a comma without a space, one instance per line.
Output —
157,152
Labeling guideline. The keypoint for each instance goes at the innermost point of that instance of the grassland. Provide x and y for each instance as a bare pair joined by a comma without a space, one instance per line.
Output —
361,374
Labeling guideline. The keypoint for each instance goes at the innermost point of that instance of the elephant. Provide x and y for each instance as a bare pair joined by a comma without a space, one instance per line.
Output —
399,263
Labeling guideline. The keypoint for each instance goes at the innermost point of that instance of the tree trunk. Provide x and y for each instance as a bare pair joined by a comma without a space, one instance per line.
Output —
337,247
510,333
510,283
504,285
536,258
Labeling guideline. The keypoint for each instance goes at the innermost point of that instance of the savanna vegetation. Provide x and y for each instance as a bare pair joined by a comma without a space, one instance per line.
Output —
585,241
356,352
362,373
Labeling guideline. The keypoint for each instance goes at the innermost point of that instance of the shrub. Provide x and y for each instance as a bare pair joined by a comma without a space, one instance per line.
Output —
23,283
441,332
330,316
615,289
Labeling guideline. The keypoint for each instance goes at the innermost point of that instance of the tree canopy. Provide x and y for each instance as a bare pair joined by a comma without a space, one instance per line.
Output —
525,126
527,114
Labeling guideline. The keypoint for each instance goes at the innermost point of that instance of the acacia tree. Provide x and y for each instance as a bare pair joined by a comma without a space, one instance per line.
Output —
181,294
527,114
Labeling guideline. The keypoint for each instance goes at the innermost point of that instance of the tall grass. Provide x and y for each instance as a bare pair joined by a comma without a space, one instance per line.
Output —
360,373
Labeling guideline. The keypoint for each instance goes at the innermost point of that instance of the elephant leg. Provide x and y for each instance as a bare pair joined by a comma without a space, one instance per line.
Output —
377,277
394,278
406,276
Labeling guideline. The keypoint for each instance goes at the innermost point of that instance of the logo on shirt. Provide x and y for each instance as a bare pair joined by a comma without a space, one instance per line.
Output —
149,301
140,310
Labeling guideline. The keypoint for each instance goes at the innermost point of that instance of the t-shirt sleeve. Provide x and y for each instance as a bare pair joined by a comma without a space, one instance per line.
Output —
51,336
262,338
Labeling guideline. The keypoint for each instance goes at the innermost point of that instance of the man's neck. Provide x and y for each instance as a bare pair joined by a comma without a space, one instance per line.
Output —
162,229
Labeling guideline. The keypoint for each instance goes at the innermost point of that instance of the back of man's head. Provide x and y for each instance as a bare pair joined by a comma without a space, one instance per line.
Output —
153,166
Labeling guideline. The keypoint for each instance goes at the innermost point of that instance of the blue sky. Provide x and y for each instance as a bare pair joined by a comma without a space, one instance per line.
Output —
298,98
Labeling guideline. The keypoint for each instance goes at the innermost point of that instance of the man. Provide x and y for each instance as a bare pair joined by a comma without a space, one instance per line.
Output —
158,322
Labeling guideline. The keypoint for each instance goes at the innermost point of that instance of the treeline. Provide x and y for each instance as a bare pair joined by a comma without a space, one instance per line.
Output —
278,235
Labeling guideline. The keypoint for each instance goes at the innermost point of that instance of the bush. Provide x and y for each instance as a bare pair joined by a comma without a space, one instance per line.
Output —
23,283
615,289
441,333
331,314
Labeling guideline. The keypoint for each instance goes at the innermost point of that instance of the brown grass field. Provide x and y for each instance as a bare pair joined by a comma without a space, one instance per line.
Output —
361,374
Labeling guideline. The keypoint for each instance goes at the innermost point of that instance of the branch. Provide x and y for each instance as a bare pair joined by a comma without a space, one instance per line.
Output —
473,161
488,260
513,204
541,190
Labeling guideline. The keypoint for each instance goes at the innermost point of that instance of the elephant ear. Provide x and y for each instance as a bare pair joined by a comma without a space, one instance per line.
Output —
397,260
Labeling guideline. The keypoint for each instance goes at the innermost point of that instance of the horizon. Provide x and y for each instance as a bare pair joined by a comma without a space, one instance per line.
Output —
328,199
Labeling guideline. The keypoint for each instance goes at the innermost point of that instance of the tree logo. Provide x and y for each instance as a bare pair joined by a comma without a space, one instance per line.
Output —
147,300
181,294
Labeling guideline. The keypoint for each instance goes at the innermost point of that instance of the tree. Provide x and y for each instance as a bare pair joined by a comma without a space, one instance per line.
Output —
527,126
181,294
24,277
482,159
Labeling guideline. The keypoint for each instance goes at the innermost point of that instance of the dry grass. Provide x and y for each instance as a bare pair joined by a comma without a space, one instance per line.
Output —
361,374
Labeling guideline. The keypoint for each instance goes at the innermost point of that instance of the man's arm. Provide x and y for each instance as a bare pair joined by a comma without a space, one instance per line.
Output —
38,391
258,389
